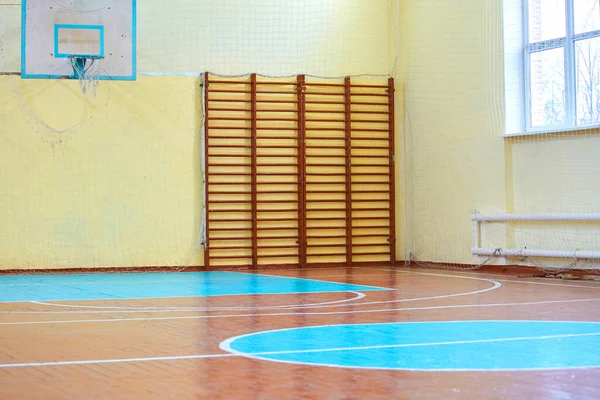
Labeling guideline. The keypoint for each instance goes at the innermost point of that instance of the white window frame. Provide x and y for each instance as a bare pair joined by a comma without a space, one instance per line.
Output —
519,122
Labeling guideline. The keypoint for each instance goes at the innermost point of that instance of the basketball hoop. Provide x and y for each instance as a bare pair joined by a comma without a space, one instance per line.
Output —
86,69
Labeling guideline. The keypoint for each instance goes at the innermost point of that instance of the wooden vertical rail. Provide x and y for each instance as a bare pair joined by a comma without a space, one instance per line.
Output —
253,169
302,241
348,145
206,174
392,172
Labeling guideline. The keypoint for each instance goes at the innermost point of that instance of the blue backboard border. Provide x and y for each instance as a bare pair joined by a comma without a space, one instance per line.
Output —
99,28
132,77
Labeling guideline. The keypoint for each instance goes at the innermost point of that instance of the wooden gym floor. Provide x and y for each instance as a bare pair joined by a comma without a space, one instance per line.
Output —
375,333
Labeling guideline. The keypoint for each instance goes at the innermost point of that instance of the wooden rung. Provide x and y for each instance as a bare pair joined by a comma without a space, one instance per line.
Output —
325,209
368,103
228,165
271,128
369,156
278,83
230,247
210,82
278,110
356,94
228,109
369,147
213,239
369,130
276,237
276,155
327,245
228,146
276,201
274,146
325,147
277,219
325,254
229,155
325,138
228,119
229,257
277,255
368,165
325,219
278,165
224,192
328,236
276,137
372,253
291,246
228,137
275,210
370,86
369,121
328,174
230,210
229,101
230,173
371,235
211,201
326,111
370,226
231,220
326,129
229,229
227,91
370,218
370,244
324,94
372,112
370,200
278,229
330,201
371,209
274,92
277,191
325,84
325,183
276,101
370,183
326,120
340,103
233,128
278,119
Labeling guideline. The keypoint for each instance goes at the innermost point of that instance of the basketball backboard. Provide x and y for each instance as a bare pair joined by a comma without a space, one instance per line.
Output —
53,32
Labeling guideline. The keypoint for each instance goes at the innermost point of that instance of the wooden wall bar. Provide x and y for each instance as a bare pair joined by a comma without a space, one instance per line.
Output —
299,172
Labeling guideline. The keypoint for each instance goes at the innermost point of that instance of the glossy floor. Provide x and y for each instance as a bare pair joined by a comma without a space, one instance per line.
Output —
310,333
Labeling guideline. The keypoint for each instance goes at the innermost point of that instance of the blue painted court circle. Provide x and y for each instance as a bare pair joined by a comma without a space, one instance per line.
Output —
430,346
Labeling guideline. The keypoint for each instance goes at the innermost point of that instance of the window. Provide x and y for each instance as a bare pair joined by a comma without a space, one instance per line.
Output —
561,64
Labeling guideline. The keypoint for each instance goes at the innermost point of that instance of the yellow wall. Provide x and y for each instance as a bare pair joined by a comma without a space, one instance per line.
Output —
121,189
453,76
455,162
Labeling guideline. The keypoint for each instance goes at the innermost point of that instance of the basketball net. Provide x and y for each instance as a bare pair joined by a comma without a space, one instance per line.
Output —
86,69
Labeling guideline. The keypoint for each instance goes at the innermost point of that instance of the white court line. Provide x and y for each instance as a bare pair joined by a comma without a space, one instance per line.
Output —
192,317
488,274
134,310
496,285
113,361
226,346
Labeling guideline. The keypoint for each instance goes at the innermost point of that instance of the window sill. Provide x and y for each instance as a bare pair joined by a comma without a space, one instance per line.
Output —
550,131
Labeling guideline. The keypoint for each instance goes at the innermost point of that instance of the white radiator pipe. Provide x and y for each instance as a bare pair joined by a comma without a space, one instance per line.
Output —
514,252
536,217
581,254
